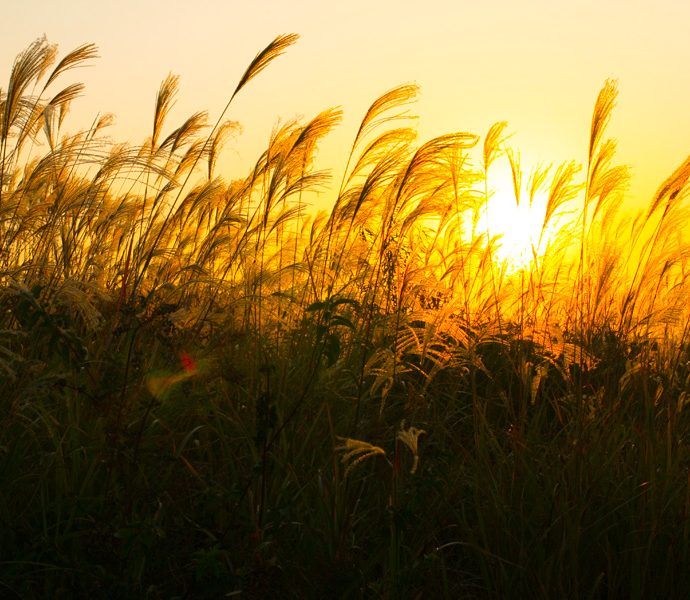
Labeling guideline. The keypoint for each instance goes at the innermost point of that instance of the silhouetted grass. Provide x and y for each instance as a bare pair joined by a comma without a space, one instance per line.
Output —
211,389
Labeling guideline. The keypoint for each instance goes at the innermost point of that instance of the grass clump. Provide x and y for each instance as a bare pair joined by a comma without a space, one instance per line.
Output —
211,389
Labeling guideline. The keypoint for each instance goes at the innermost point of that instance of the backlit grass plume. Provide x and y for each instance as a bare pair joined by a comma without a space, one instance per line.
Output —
354,452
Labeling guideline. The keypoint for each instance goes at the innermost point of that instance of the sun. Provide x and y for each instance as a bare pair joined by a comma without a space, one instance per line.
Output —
516,223
517,228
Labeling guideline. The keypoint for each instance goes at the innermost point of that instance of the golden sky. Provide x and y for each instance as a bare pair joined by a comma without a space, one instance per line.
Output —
537,64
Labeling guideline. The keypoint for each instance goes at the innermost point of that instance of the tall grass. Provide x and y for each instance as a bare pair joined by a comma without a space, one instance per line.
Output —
210,388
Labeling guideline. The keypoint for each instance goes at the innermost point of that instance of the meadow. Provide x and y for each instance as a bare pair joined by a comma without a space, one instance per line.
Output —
211,389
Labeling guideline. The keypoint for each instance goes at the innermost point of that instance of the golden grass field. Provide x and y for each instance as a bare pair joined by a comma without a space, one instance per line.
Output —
212,388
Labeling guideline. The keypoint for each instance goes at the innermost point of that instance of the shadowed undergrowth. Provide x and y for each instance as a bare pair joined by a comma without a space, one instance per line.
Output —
210,388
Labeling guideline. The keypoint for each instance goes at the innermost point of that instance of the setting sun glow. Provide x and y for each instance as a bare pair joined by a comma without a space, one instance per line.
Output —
518,224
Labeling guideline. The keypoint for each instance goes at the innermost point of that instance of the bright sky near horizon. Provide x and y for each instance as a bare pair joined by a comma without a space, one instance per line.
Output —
538,64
